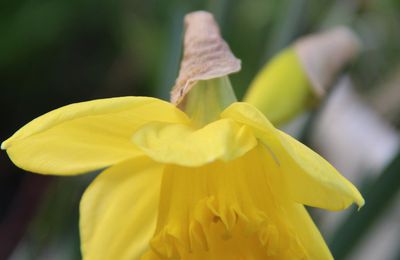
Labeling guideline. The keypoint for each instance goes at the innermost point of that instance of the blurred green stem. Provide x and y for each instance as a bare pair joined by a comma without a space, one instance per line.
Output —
377,197
288,23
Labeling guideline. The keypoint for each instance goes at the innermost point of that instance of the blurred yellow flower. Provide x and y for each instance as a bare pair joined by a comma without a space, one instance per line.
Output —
297,77
281,90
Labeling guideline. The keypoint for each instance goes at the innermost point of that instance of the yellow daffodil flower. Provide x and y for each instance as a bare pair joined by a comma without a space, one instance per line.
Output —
221,183
300,74
281,90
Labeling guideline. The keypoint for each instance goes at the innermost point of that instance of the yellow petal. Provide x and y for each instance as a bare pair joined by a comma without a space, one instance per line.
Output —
118,210
226,210
86,136
313,181
310,179
307,232
281,90
247,114
183,145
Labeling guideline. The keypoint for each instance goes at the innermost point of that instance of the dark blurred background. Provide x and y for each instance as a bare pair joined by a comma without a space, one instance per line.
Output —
53,53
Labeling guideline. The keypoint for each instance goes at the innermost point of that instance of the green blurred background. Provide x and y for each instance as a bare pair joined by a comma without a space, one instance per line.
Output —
58,52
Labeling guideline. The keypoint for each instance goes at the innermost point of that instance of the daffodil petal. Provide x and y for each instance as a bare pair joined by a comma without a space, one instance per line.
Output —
307,232
313,181
247,114
309,178
86,136
182,145
118,211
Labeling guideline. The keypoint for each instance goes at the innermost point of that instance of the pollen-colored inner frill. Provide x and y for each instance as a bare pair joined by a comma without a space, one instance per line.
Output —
224,210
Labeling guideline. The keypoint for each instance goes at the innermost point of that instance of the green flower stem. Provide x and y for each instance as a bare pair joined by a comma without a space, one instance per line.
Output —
207,99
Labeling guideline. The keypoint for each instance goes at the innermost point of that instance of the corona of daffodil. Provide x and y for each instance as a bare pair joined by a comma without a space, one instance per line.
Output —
211,180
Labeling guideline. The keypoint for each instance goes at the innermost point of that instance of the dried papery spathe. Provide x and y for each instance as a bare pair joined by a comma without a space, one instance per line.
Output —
323,55
206,55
